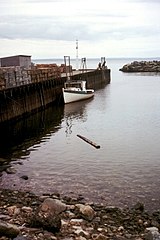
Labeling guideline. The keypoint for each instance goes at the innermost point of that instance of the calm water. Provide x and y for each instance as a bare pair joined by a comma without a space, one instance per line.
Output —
123,118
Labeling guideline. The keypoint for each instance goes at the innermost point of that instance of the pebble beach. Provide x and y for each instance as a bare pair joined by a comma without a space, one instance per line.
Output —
25,216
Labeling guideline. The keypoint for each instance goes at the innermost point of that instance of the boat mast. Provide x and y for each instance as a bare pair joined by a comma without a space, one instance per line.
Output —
77,55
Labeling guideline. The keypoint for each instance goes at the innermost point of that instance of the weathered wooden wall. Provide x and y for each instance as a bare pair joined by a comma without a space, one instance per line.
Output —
19,101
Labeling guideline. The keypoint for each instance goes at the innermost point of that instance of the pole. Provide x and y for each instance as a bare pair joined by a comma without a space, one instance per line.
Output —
77,67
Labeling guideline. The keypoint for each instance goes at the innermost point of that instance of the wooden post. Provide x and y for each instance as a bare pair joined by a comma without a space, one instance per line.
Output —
88,141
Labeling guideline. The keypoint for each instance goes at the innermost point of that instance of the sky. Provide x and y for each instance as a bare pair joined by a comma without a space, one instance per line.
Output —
103,28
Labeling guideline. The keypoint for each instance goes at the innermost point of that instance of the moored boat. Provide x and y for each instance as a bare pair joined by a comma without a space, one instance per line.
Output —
74,91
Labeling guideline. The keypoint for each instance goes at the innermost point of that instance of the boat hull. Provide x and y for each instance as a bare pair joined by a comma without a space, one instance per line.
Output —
74,96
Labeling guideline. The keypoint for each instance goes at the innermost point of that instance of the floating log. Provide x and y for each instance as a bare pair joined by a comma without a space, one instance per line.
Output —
88,141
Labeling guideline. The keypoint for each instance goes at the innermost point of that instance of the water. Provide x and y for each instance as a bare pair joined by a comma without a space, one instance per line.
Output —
123,118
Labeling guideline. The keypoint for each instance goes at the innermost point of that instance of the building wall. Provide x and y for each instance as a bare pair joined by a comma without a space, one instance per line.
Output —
25,61
19,60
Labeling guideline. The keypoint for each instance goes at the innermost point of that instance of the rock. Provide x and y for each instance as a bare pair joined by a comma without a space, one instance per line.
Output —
142,66
76,221
4,217
13,210
80,232
53,206
121,228
27,209
8,230
25,177
156,216
100,237
11,170
153,234
51,219
139,206
49,223
80,238
85,211
47,215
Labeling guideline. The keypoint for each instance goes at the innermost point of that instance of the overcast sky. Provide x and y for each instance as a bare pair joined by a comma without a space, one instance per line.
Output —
104,28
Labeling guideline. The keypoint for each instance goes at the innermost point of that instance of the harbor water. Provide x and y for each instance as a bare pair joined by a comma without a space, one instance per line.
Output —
123,118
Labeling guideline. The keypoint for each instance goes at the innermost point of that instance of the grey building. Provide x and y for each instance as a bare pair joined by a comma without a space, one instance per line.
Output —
18,60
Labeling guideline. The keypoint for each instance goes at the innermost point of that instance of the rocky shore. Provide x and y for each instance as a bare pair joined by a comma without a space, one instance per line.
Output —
141,66
25,216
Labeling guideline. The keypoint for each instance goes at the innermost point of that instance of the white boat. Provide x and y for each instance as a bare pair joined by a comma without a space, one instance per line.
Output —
74,91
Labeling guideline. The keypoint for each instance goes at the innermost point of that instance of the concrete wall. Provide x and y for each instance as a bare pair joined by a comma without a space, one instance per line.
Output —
95,79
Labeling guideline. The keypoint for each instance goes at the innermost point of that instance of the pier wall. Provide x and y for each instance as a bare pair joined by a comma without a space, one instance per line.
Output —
96,78
17,102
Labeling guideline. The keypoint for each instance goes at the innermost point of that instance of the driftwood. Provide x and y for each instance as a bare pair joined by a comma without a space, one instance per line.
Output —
88,141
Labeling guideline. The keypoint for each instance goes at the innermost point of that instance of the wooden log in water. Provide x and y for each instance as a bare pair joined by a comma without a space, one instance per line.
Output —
88,141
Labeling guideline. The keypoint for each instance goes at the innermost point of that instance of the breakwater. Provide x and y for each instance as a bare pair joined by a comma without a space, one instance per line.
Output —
141,66
19,101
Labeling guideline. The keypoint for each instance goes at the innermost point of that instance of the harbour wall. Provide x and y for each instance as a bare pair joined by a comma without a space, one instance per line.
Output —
19,101
94,79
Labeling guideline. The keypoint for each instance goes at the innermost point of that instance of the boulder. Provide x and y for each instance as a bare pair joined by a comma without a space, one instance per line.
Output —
48,215
53,206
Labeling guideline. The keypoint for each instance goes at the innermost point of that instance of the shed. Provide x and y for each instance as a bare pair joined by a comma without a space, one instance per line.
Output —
18,60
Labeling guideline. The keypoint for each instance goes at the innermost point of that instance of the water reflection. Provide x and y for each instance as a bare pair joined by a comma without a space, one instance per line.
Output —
17,138
75,111
155,74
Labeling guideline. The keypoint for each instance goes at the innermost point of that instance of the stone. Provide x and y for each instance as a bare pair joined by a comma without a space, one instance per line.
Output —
8,230
139,206
13,210
152,234
81,238
121,228
53,206
27,209
76,221
85,211
25,177
80,232
11,170
50,223
101,237
5,217
47,215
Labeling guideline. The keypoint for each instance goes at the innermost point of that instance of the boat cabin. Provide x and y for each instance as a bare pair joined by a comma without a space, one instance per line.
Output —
79,85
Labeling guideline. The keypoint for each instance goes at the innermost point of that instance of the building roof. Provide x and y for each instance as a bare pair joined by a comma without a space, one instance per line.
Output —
16,56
